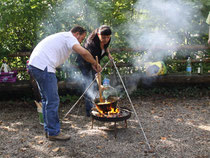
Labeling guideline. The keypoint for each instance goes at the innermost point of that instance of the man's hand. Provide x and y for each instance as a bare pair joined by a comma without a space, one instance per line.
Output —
97,67
209,41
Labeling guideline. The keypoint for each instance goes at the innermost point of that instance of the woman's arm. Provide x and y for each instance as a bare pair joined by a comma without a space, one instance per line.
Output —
109,54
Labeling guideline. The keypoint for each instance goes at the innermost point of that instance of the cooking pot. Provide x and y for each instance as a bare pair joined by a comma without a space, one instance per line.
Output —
106,106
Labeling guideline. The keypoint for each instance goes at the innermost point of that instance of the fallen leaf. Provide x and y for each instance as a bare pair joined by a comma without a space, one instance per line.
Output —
40,142
179,120
191,107
23,140
141,143
163,138
83,135
37,137
56,149
105,136
65,119
99,147
49,146
63,149
152,111
151,151
6,156
204,111
23,149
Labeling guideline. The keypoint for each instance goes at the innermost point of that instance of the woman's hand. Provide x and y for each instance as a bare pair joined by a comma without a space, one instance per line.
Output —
110,56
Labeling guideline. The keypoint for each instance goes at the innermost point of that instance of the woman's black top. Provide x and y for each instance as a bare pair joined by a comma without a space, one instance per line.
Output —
92,44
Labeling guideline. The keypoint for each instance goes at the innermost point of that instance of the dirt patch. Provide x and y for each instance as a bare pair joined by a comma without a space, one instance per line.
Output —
174,127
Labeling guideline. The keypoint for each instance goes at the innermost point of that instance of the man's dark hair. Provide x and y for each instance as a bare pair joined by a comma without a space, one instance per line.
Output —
79,29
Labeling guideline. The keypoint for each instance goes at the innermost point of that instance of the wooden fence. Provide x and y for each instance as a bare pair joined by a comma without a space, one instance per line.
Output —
29,85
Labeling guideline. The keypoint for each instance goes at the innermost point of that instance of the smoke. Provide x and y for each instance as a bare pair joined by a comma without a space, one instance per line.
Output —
154,24
67,14
81,82
159,26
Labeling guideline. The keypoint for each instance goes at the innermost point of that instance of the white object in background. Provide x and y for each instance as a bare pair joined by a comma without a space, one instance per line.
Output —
5,67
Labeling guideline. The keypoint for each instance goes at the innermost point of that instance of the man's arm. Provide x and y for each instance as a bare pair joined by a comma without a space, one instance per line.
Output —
87,56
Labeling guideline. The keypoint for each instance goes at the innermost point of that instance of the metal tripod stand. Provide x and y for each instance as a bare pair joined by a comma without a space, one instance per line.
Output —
126,94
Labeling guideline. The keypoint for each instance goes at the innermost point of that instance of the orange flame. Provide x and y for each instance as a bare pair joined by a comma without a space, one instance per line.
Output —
114,111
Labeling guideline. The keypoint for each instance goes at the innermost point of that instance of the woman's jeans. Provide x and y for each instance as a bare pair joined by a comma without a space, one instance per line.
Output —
47,84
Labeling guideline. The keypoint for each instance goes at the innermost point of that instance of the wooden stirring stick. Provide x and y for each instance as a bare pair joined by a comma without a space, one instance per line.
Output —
99,82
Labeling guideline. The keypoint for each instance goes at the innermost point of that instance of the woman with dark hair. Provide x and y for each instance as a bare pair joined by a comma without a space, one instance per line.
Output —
97,44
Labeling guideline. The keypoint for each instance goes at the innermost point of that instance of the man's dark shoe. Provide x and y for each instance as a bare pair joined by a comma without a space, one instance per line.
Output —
61,136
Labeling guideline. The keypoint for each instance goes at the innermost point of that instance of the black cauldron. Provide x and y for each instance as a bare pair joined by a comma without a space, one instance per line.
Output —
106,106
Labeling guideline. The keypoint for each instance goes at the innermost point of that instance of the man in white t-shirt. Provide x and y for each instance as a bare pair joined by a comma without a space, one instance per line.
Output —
50,53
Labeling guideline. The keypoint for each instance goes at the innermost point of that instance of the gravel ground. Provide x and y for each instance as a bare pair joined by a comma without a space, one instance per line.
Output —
174,127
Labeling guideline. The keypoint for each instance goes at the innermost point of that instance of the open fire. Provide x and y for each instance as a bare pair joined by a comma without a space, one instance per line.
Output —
114,111
114,114
107,108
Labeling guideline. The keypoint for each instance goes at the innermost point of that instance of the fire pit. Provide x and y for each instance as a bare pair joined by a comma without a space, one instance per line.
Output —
122,114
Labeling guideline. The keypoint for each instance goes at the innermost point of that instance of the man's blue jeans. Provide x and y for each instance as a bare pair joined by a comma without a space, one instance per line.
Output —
47,84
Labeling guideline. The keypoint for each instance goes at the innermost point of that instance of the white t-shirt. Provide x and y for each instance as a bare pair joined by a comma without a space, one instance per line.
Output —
53,51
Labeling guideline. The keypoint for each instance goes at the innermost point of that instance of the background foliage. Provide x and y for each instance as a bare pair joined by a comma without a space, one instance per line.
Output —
23,23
